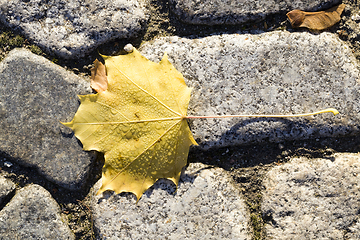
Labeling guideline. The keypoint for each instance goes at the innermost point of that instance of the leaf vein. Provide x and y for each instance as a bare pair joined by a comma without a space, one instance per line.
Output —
163,104
152,144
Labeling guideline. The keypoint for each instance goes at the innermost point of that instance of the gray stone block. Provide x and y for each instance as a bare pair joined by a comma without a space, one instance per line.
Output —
33,214
313,198
72,28
205,206
6,187
35,95
268,73
213,12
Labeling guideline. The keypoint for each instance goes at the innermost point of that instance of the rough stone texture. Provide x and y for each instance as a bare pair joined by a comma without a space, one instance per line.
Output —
72,28
35,95
268,73
313,198
213,12
349,28
205,206
6,187
351,24
33,214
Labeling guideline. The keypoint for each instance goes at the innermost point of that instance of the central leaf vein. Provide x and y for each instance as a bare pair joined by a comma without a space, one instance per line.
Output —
163,104
138,156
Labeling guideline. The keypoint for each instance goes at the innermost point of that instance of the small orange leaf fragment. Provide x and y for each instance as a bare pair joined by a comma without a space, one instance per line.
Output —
316,20
99,80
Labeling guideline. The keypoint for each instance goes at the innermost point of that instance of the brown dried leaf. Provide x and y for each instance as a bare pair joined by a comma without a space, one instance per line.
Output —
99,80
316,20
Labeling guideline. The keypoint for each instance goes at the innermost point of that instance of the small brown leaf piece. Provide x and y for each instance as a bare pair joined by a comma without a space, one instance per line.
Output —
99,80
316,20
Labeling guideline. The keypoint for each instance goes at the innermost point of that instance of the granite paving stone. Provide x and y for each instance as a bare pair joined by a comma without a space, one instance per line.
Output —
35,95
213,12
313,198
266,73
206,205
72,28
276,72
33,214
6,187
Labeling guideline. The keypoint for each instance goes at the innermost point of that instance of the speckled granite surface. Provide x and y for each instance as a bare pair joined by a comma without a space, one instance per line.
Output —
239,11
73,28
206,205
33,101
233,69
313,198
33,214
267,73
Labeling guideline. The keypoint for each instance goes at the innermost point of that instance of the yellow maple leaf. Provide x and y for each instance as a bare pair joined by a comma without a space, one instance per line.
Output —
139,123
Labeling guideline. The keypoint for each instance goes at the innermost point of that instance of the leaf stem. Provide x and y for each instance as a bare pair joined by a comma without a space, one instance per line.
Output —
328,110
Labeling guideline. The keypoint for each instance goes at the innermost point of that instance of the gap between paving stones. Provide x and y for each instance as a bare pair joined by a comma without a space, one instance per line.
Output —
313,198
163,22
38,207
249,206
206,205
73,29
216,157
268,73
256,179
211,12
249,164
74,205
246,164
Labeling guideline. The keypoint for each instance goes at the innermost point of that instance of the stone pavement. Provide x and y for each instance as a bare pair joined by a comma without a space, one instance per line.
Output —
246,72
33,102
314,198
231,12
73,28
205,206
